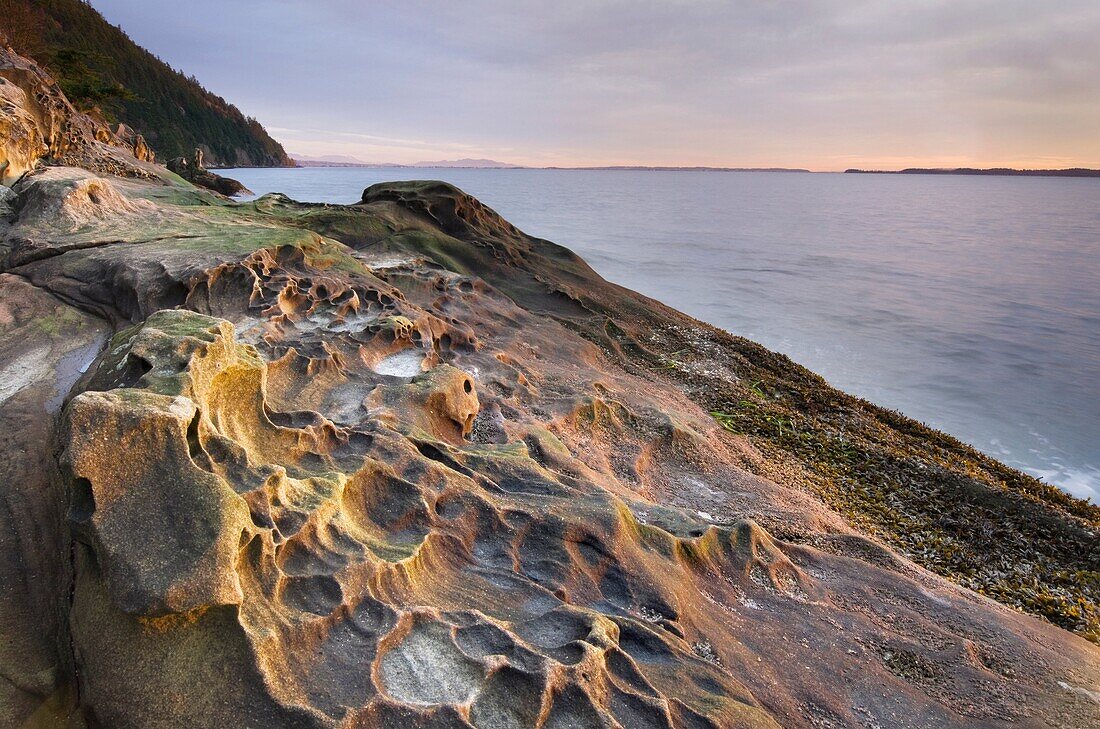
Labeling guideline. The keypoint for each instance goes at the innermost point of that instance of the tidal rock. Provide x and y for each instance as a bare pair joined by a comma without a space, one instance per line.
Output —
65,199
193,171
400,464
45,345
7,200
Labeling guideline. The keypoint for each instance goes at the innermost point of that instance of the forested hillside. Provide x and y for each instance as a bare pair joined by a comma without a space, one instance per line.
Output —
103,71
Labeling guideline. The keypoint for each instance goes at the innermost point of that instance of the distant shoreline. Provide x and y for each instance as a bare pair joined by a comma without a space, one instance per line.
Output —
644,168
626,168
970,171
992,171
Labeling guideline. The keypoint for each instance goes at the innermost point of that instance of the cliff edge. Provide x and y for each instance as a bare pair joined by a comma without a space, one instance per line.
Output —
105,73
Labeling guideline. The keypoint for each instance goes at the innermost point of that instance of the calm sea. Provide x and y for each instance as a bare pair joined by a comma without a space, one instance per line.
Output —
969,303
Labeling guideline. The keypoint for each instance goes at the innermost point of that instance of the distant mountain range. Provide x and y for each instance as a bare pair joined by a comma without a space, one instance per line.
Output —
486,163
340,160
343,160
329,159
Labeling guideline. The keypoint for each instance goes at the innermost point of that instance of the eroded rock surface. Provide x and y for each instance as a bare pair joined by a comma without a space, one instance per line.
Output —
139,147
37,123
45,345
398,464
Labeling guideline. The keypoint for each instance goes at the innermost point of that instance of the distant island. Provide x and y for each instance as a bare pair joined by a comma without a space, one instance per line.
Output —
337,160
340,160
995,171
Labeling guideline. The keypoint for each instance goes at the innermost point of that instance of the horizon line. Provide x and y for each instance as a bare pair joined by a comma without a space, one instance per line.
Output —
305,161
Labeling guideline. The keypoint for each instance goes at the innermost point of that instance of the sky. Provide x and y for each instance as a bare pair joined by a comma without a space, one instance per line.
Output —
819,84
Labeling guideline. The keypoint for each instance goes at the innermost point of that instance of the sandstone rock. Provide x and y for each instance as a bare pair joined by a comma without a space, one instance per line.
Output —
53,208
399,464
442,402
37,123
44,346
142,152
68,199
140,149
23,144
153,562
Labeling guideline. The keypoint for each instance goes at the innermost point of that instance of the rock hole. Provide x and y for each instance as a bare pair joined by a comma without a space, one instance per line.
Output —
427,668
194,446
136,368
261,519
468,386
83,500
173,295
632,710
430,451
316,594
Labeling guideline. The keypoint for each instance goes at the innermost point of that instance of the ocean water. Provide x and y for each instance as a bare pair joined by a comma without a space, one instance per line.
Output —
969,303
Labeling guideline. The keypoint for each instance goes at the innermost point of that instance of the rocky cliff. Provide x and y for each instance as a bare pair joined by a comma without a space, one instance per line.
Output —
104,72
39,124
400,464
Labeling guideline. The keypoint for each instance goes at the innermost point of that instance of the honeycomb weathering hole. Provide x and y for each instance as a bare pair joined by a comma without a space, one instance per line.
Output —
427,668
83,500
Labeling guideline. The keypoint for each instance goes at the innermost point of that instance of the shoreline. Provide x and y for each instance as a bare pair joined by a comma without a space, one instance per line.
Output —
856,355
1068,173
569,463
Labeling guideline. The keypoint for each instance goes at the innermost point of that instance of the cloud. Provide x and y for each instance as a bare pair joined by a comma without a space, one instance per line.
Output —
797,82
